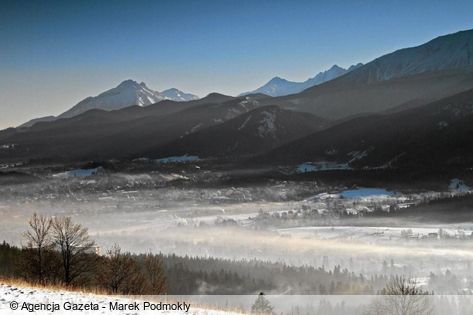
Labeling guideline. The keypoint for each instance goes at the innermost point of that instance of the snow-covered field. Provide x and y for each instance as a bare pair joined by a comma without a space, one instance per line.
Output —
24,300
16,300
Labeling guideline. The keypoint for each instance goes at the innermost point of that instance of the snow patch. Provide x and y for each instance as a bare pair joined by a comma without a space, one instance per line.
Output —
267,124
365,192
179,159
78,173
244,123
62,299
457,185
308,167
8,146
357,155
195,128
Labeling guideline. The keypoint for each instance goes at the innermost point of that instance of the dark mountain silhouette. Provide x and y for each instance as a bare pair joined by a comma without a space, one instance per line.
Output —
433,135
422,74
257,131
98,134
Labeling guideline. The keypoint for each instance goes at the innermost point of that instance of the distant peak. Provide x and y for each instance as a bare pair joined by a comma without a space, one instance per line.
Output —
277,79
354,67
172,90
215,94
178,95
129,82
336,67
459,34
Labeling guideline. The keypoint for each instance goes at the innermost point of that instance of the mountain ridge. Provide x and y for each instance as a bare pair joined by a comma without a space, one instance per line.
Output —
445,52
253,132
432,135
127,93
416,75
278,86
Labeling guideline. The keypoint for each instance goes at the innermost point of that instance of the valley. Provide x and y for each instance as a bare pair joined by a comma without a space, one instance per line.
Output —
190,208
351,183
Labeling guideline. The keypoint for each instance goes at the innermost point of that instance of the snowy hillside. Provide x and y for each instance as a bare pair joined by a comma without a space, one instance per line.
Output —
61,302
278,86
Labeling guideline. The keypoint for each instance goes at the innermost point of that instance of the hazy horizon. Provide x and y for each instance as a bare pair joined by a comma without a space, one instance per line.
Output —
55,54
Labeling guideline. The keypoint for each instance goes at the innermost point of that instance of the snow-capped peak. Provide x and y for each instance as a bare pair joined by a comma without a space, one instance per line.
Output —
127,93
332,73
278,86
177,95
277,80
129,84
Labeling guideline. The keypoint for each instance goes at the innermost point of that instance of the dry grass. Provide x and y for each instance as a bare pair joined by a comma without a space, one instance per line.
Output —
18,282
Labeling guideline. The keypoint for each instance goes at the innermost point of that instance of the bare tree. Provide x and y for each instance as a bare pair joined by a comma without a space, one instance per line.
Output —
117,270
401,297
137,283
154,274
402,286
74,245
38,241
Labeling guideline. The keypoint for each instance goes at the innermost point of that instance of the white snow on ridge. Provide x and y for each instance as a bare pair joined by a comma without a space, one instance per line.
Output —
357,155
195,128
177,95
127,93
244,123
278,86
267,124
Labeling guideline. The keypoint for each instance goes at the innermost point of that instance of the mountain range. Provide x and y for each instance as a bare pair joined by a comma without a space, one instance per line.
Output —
435,135
256,131
407,77
279,87
412,108
127,93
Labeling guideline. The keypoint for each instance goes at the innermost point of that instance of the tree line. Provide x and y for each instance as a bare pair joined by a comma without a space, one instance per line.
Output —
60,252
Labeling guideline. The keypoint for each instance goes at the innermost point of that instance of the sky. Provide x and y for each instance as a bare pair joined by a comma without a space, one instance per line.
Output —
55,53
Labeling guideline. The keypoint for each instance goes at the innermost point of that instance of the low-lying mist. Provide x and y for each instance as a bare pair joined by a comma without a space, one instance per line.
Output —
293,222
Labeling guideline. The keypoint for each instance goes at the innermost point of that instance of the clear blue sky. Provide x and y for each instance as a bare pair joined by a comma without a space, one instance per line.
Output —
55,53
